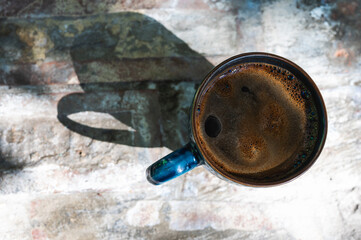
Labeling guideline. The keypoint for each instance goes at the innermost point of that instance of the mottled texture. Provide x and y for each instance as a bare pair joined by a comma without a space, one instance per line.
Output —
93,92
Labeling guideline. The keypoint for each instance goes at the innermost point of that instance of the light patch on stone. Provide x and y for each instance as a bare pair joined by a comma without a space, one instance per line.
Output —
51,178
144,213
14,216
70,216
191,216
319,12
303,218
99,120
73,79
26,105
220,27
280,36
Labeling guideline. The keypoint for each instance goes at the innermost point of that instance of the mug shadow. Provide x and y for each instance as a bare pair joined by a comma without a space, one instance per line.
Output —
138,72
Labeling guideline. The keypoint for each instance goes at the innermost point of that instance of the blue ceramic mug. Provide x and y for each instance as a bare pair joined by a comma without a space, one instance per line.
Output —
257,119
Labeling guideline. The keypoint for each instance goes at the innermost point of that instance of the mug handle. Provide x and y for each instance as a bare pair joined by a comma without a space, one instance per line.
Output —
174,164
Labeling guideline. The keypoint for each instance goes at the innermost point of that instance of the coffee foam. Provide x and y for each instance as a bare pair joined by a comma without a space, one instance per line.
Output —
264,111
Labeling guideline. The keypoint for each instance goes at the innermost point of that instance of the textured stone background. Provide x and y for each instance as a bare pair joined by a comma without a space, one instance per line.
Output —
93,92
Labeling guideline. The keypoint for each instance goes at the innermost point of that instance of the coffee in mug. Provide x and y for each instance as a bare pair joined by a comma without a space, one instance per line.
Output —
257,119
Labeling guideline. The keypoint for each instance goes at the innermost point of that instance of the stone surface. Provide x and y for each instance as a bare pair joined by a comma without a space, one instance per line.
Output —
91,93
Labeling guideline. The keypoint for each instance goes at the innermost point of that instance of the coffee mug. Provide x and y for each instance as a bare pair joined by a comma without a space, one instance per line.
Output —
257,119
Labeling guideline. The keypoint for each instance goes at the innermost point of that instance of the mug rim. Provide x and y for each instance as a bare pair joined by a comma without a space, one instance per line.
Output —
320,102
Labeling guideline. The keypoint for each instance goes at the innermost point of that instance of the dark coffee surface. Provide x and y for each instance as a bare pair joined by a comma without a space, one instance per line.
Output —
267,122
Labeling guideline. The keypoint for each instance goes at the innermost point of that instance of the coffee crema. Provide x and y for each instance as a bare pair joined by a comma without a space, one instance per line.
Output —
254,120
